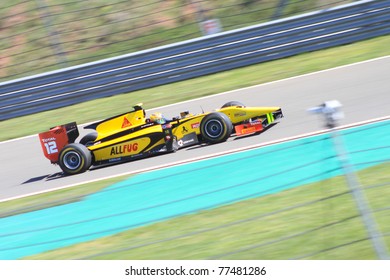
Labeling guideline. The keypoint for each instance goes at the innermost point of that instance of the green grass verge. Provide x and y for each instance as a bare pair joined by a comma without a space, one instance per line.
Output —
90,30
198,87
258,228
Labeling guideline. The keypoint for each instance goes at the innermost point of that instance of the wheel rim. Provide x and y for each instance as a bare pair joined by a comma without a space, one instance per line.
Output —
213,128
72,160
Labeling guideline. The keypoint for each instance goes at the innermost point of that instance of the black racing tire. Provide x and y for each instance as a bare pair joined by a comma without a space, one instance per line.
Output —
233,103
216,127
75,158
88,139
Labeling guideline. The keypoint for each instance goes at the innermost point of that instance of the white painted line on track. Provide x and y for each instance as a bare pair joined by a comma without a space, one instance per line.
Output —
18,139
206,157
235,90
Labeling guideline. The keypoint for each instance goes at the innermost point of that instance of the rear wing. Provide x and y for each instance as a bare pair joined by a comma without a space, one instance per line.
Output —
56,138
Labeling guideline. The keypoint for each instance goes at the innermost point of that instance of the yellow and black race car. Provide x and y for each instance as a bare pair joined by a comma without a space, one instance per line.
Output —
132,135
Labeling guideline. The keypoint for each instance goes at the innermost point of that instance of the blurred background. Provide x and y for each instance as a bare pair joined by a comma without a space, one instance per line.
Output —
43,35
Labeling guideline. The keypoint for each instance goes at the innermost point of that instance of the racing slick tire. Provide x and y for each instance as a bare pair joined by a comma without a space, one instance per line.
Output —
88,139
216,127
233,103
75,158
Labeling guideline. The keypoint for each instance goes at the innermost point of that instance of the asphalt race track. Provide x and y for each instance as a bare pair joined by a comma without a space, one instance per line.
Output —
363,89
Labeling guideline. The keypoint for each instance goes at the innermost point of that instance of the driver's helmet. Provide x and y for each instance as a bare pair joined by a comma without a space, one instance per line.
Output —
157,118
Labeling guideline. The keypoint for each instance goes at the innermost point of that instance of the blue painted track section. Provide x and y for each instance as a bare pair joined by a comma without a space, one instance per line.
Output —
167,193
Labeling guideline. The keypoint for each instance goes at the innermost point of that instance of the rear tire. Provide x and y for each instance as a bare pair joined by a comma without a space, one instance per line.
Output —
74,159
88,139
216,127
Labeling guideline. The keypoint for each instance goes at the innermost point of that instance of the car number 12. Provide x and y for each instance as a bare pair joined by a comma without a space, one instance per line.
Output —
51,147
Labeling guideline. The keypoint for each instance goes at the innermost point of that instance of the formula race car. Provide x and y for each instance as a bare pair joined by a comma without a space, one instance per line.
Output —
132,135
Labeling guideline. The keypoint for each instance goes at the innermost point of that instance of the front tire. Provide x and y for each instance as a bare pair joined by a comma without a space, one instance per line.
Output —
216,127
233,104
75,158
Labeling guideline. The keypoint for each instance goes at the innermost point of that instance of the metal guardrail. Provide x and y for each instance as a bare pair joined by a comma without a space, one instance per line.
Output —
176,62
